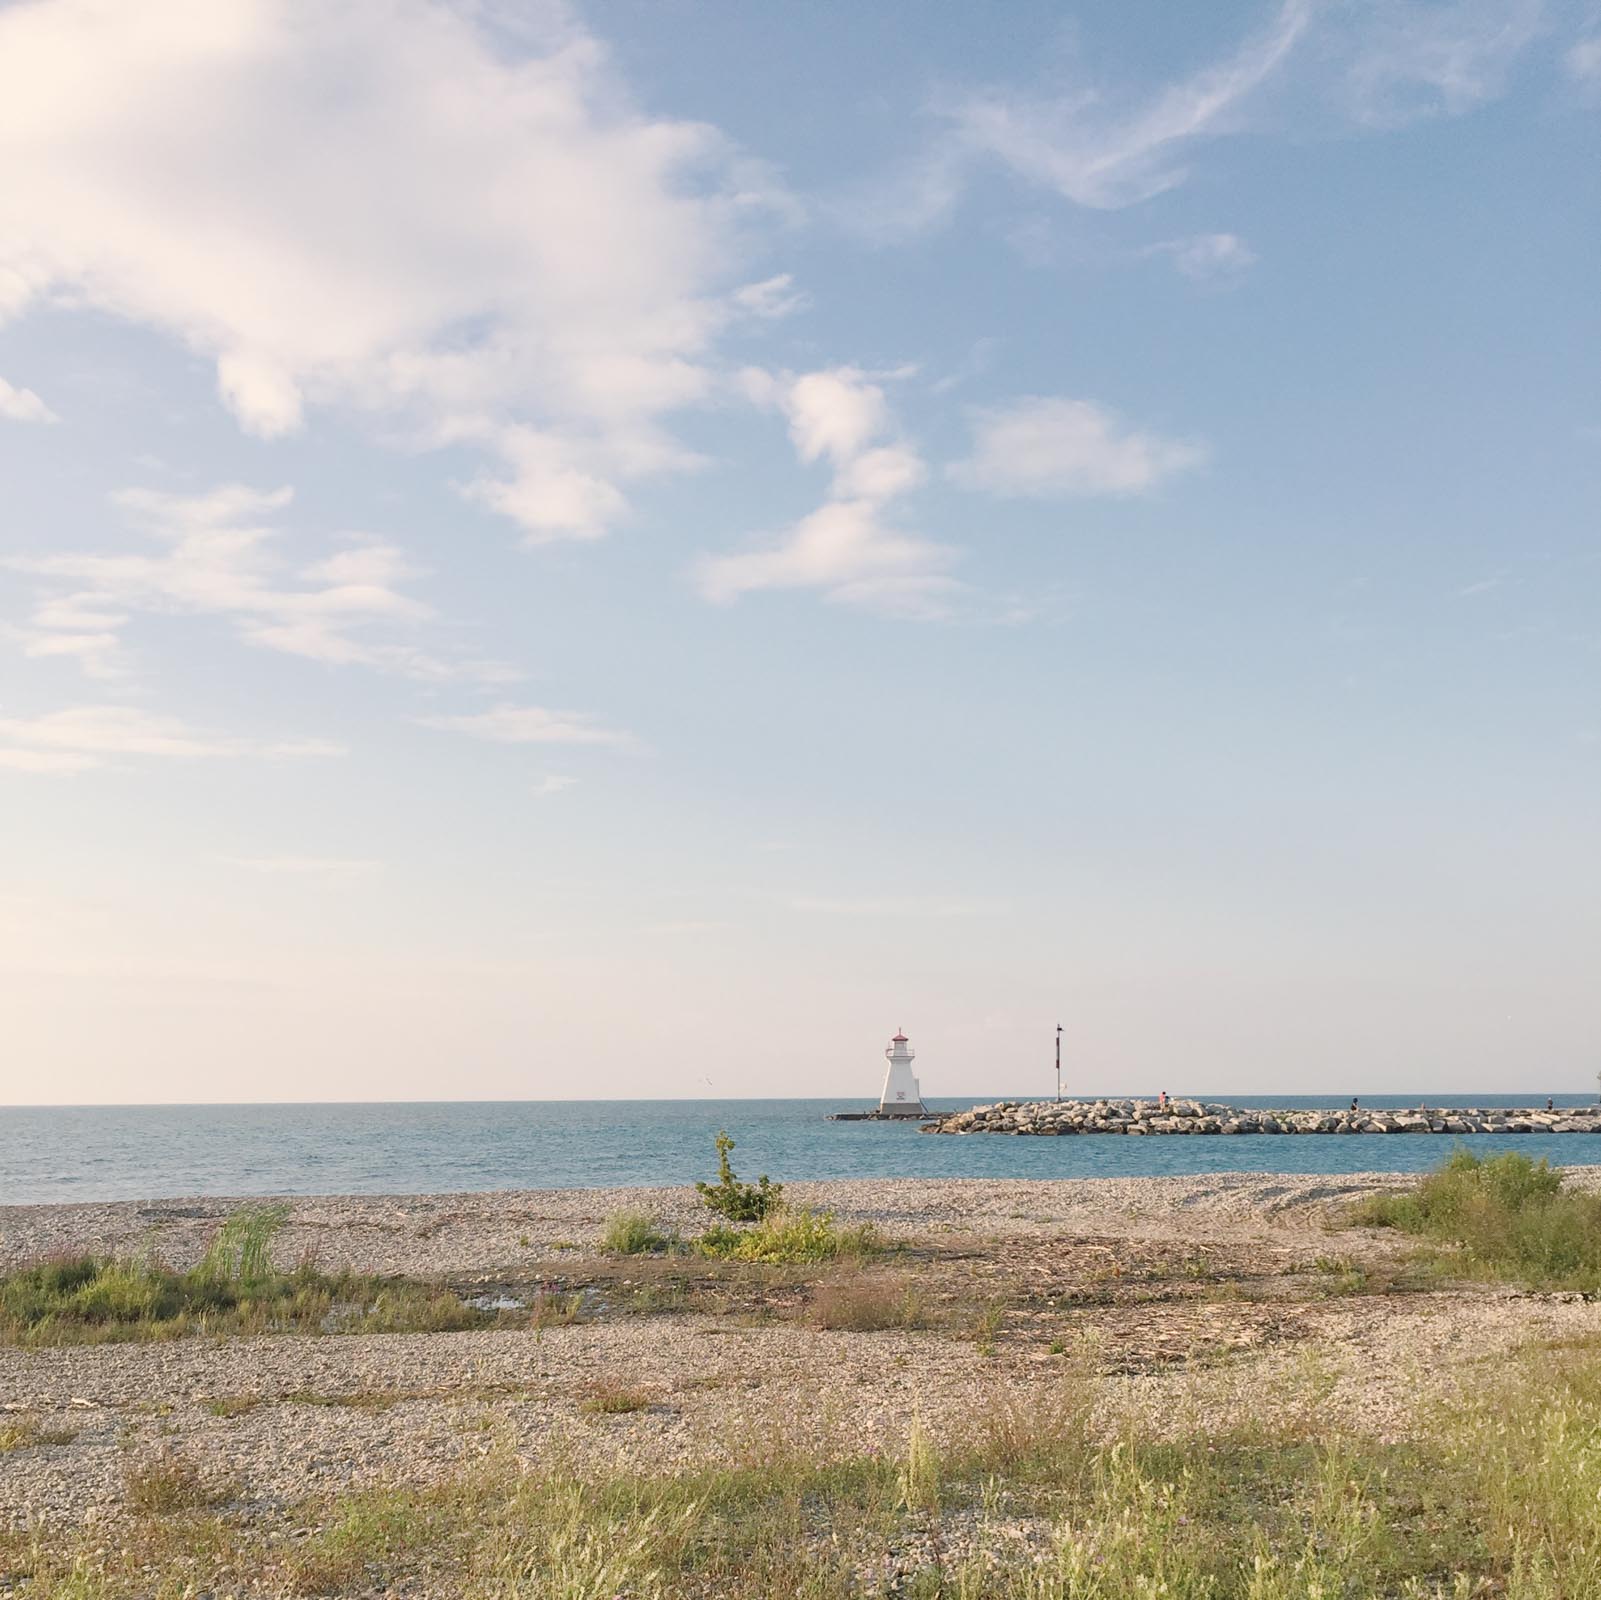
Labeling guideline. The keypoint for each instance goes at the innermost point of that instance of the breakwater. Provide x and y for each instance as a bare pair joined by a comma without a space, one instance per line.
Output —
1059,1117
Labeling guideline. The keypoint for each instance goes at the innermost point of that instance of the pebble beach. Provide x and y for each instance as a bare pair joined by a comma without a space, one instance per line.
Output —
1183,1298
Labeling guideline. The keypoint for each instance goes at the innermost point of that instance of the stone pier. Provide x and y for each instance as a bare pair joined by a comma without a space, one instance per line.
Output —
1053,1117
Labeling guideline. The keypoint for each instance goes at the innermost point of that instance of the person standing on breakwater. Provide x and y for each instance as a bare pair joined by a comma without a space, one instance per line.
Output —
1161,1100
1353,1102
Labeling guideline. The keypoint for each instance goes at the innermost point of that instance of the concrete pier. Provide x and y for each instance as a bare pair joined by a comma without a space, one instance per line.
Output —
1144,1117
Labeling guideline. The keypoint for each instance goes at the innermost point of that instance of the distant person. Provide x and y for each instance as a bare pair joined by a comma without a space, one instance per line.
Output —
1550,1104
1353,1102
1161,1100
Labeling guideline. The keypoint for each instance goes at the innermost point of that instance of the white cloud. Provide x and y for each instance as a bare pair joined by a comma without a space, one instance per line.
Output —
1207,257
483,241
1042,447
843,543
1097,153
849,547
1419,60
80,737
552,783
215,555
23,405
771,298
897,906
511,724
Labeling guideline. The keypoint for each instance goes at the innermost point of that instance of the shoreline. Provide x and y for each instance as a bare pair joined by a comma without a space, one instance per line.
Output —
490,1230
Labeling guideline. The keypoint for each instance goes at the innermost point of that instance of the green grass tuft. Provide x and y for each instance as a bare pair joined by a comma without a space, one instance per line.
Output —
632,1233
790,1236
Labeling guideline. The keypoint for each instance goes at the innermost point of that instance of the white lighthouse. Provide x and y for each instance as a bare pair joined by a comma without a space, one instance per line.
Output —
900,1097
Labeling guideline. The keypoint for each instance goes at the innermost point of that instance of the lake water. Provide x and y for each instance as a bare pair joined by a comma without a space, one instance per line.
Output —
64,1153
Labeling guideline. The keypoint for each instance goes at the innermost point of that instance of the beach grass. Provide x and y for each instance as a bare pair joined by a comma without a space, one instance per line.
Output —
790,1235
233,1289
1503,1217
1496,1497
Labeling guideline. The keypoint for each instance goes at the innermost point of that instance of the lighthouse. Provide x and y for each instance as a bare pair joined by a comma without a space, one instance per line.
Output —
900,1097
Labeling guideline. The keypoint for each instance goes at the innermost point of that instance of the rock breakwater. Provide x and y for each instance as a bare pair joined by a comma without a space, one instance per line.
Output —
1058,1117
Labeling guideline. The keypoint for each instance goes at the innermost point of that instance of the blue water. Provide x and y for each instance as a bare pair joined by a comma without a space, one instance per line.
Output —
63,1153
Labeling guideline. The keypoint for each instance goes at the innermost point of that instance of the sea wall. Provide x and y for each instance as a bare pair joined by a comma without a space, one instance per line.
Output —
1053,1117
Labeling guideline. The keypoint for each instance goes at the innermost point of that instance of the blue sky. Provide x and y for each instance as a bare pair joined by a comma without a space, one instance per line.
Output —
633,549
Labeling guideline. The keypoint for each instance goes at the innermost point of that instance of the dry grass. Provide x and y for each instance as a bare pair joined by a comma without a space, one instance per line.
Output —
608,1398
868,1304
171,1483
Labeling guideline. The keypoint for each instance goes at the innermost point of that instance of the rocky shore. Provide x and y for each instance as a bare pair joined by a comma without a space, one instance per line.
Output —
1052,1117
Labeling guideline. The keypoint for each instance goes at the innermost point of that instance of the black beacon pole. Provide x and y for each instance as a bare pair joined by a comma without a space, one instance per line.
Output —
1058,1061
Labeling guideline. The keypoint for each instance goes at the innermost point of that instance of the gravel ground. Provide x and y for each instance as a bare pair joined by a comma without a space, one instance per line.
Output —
446,1233
316,1414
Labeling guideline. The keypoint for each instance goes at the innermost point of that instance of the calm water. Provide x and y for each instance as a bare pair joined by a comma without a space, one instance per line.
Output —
151,1152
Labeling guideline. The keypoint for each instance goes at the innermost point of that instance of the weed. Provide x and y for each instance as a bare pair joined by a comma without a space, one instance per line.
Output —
610,1399
170,1483
25,1432
790,1236
549,1310
739,1202
867,1305
632,1233
231,1405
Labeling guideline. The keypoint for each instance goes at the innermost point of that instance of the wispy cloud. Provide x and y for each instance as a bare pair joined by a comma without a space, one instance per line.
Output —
78,738
481,247
1098,153
23,405
1207,257
1583,61
552,783
215,555
1043,447
850,548
513,724
1411,60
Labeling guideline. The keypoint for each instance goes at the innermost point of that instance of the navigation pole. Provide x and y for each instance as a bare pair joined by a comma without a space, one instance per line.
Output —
1059,1061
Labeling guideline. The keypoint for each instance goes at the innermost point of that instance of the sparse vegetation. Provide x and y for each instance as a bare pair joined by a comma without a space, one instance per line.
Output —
868,1304
607,1398
233,1289
1503,1217
1496,1497
632,1233
739,1202
790,1236
231,1405
171,1483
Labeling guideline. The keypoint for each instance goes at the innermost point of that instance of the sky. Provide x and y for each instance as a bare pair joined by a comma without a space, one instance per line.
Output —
634,549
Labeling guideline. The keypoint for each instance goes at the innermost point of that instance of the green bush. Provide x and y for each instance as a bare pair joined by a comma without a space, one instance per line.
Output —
787,1237
632,1233
1507,1216
739,1202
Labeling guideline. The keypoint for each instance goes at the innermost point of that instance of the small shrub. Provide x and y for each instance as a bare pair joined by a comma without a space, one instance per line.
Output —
632,1233
787,1237
739,1202
867,1305
168,1484
608,1399
1507,1216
